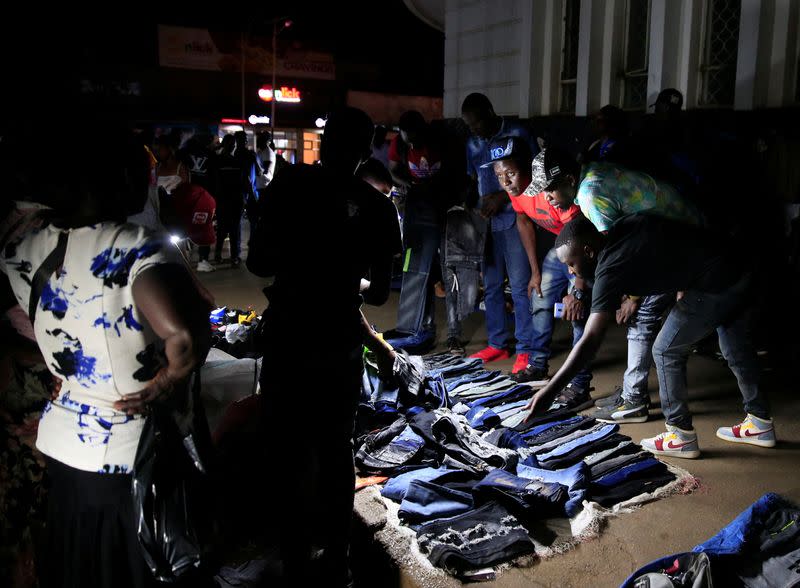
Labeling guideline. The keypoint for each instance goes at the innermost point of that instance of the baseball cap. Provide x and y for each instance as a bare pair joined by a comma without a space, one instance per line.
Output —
547,167
670,97
507,147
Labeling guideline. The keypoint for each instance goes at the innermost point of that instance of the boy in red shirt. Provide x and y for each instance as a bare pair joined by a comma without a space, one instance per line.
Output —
538,222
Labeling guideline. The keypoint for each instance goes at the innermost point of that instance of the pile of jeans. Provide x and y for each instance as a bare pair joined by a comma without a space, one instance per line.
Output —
471,478
233,330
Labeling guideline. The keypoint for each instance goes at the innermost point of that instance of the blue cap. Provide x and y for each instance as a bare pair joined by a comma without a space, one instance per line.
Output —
506,148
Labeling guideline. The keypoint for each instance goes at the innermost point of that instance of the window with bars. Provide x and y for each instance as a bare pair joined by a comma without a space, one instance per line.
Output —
636,55
569,56
720,50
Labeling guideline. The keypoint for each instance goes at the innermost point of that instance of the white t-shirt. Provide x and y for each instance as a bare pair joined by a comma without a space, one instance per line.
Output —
92,337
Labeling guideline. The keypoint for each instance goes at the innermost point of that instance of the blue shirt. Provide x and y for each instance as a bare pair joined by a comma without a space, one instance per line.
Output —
478,154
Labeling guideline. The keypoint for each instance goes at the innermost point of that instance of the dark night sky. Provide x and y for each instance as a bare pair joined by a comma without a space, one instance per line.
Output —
407,54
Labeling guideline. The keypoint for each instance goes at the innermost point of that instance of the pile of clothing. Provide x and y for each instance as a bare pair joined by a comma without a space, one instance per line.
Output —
233,330
470,478
759,549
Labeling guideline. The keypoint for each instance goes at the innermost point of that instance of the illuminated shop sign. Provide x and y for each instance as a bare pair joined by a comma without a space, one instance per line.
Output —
284,94
254,119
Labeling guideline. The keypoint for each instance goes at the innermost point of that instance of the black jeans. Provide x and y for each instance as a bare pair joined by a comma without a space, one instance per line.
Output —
309,437
229,224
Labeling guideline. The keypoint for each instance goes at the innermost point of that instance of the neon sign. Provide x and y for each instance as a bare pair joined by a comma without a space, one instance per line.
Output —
284,94
254,119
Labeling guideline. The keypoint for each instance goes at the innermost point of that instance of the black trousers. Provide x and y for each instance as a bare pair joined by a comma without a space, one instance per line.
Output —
309,437
91,537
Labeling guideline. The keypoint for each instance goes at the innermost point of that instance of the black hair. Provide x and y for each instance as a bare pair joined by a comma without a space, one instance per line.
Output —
580,229
411,120
348,131
477,102
616,119
380,136
374,169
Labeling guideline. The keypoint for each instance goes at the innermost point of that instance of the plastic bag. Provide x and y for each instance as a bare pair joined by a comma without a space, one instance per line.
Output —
171,488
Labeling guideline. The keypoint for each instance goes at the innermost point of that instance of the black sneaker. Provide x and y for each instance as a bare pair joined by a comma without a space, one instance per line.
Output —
572,398
236,262
613,399
531,375
624,411
455,347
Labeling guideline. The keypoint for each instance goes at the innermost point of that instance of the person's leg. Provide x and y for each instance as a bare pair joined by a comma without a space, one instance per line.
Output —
494,298
519,276
204,252
236,235
691,319
554,281
223,230
642,334
736,344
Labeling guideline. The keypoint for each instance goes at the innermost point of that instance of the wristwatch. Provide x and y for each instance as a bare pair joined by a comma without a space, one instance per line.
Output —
578,294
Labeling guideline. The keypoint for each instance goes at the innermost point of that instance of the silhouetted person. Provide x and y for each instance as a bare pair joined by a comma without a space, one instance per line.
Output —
202,162
232,190
313,333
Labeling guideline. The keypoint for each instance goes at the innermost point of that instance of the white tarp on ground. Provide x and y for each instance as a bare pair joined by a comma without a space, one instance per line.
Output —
224,380
400,542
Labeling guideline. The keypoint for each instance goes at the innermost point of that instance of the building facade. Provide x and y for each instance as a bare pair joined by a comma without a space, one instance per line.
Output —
538,58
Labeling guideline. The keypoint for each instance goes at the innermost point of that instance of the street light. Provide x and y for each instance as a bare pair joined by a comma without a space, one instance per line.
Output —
285,24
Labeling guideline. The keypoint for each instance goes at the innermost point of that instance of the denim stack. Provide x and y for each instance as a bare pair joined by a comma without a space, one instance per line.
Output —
471,478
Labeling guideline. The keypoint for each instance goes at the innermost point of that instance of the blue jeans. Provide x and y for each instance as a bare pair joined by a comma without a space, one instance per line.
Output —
555,280
642,333
693,317
505,253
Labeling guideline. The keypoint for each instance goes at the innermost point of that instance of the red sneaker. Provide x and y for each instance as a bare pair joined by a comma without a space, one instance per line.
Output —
520,363
491,354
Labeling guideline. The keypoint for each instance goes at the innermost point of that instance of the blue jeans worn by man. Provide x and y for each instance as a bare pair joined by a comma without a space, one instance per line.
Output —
696,315
505,253
555,281
642,333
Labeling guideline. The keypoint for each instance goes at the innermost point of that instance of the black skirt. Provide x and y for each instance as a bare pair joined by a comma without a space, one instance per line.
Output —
91,536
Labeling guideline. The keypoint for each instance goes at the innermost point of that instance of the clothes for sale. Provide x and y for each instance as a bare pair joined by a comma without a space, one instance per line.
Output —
580,451
581,441
636,469
574,479
527,499
390,448
574,433
647,254
609,496
550,416
485,536
464,244
539,437
395,489
629,454
599,456
411,370
91,336
507,438
447,496
461,442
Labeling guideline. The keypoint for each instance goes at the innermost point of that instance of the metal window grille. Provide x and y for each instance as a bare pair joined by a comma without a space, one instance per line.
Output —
569,56
636,55
720,49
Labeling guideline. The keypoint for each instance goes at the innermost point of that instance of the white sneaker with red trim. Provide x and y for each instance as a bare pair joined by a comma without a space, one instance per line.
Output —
674,442
753,431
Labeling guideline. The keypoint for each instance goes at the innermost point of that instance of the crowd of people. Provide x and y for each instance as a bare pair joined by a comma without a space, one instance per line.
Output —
625,232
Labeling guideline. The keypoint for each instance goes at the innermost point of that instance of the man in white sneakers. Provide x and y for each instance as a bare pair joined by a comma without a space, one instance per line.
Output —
644,255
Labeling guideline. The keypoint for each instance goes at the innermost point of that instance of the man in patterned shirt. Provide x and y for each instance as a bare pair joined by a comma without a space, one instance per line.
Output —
606,193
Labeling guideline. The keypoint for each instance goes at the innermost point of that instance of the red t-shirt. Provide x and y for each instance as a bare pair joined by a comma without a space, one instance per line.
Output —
543,213
195,208
422,163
